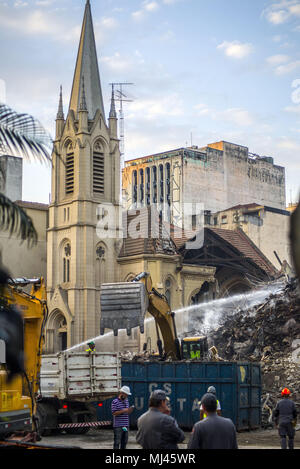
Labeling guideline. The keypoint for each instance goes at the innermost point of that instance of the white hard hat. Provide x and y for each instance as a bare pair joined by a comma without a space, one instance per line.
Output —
126,390
212,390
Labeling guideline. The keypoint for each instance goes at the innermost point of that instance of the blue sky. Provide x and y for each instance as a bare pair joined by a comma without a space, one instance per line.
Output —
203,71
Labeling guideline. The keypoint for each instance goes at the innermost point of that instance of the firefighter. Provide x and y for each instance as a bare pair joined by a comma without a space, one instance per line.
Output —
285,416
91,347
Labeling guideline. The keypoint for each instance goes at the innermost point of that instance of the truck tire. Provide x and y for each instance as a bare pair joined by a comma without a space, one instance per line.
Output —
46,419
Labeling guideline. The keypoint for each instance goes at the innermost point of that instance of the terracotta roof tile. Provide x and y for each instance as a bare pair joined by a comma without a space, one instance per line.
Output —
240,241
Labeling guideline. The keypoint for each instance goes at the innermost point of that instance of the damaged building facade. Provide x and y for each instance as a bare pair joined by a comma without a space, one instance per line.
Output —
261,223
221,186
218,176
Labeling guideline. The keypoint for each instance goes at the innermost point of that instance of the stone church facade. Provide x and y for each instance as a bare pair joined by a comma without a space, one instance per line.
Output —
85,179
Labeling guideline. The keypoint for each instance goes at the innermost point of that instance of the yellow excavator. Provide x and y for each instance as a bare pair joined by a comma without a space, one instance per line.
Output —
124,306
22,320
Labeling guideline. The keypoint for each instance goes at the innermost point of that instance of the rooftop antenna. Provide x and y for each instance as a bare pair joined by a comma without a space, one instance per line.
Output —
121,97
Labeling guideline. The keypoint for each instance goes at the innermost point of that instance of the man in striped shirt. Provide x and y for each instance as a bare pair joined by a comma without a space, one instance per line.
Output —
120,410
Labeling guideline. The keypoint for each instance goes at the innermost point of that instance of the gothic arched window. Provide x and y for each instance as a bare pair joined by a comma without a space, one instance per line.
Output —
101,274
98,168
69,169
66,262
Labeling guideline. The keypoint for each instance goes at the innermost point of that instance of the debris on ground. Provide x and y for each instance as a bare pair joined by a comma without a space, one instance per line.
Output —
270,334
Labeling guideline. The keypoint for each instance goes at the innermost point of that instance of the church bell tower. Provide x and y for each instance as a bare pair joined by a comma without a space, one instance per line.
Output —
85,186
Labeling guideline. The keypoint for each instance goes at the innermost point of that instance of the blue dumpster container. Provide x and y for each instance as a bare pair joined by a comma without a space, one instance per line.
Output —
238,388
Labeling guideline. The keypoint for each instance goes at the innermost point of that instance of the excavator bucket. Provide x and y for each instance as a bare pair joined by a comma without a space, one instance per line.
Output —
123,306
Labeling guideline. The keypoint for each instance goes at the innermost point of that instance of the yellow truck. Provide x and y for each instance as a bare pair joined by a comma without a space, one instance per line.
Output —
22,320
38,393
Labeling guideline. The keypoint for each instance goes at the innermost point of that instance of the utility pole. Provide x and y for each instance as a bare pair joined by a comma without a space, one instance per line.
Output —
121,97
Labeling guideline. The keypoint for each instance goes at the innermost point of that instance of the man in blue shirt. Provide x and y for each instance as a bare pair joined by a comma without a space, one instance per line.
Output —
120,410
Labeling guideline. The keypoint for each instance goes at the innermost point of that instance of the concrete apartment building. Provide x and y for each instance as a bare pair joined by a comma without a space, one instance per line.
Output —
218,176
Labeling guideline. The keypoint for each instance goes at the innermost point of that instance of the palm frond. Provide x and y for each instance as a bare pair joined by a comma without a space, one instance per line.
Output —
23,135
15,220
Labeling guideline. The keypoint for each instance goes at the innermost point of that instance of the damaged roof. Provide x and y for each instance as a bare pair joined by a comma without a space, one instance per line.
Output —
237,247
146,233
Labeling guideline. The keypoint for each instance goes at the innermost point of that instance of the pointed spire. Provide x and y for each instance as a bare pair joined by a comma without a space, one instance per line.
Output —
83,106
113,114
60,112
87,66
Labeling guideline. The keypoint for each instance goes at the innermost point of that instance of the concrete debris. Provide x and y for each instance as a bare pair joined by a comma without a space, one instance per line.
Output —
141,357
269,334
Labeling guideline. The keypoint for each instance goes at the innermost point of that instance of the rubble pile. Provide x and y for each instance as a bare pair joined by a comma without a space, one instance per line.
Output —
142,357
270,334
